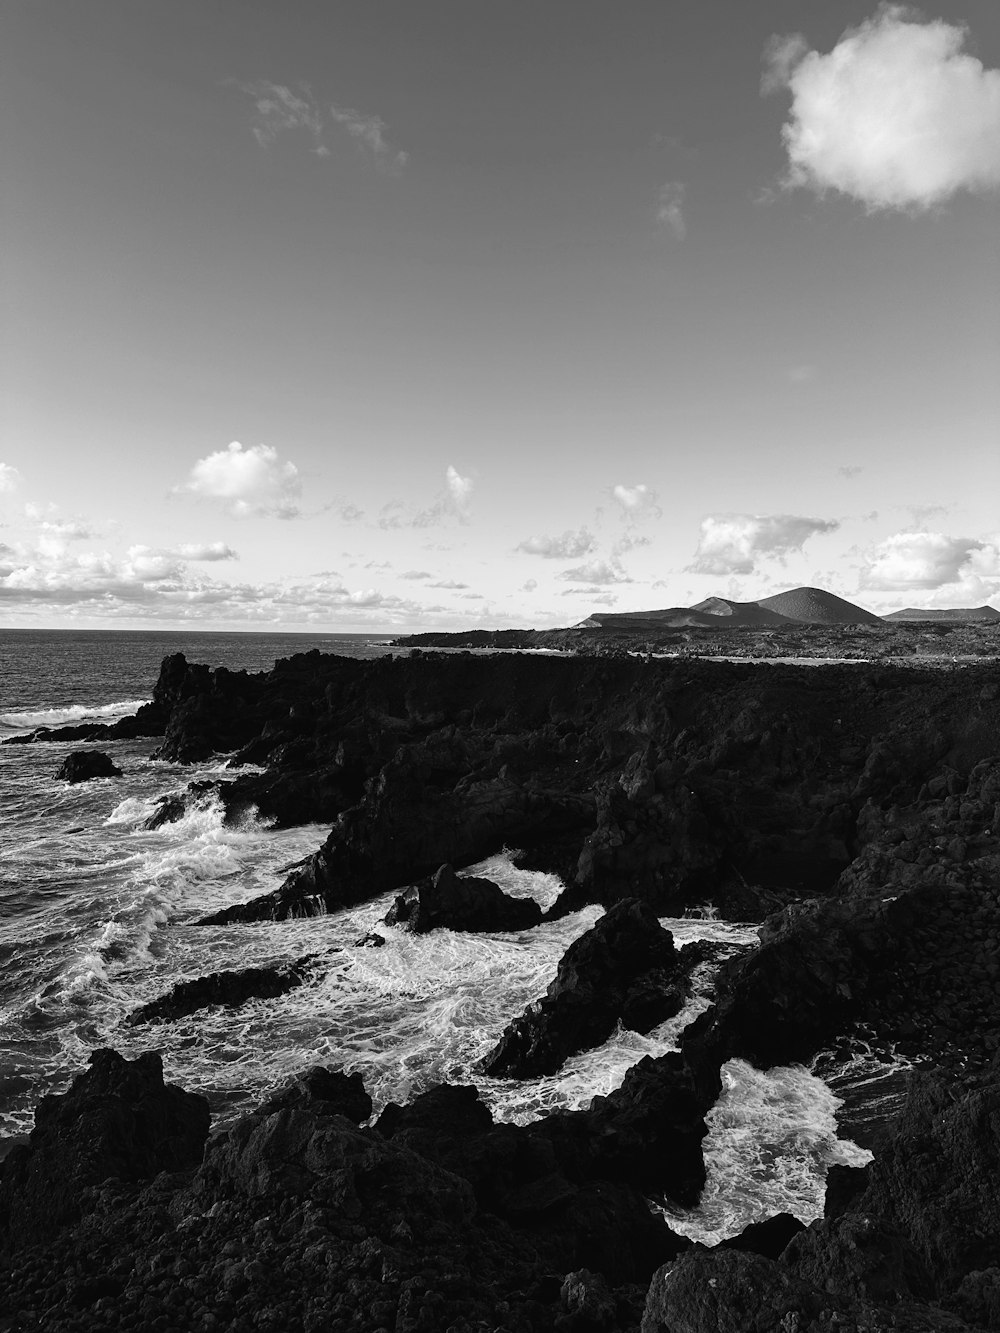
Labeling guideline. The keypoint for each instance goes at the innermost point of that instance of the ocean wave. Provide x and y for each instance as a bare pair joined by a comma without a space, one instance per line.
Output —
73,715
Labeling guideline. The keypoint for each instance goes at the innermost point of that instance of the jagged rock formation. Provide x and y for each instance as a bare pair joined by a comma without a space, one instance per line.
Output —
624,969
119,1120
461,903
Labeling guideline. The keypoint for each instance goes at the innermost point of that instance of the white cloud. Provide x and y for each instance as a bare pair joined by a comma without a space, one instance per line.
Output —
279,109
529,586
459,488
416,574
449,583
850,470
732,543
636,500
568,546
451,503
923,560
897,115
204,551
368,132
597,572
628,541
670,207
596,595
72,529
248,481
10,478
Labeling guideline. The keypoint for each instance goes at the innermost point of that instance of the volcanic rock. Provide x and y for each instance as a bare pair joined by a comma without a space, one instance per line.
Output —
83,765
571,1209
768,1238
732,1291
324,1092
624,968
465,903
231,988
118,1120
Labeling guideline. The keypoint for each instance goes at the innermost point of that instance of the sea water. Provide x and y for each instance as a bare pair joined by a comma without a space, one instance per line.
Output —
98,915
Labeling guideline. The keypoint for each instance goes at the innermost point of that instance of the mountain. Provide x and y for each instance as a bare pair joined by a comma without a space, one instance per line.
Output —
713,613
800,606
962,614
816,606
740,613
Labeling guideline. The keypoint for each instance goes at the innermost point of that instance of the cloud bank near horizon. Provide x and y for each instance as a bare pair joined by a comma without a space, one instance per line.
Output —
965,570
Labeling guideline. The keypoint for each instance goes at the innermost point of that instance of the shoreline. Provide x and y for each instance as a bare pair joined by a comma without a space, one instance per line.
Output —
850,810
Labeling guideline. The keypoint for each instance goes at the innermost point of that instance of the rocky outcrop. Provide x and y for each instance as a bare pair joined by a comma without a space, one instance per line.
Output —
118,1121
231,989
624,969
465,903
324,1092
575,1212
84,765
298,1218
914,1250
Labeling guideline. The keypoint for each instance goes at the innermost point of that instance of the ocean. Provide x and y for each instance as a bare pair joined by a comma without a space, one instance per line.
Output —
97,916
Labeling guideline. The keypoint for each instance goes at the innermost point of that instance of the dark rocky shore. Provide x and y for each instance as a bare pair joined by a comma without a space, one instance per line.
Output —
852,810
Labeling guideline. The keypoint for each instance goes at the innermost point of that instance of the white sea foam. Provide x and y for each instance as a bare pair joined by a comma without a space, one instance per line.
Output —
73,715
771,1139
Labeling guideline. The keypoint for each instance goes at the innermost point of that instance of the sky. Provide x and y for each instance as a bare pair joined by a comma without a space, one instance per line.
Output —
384,315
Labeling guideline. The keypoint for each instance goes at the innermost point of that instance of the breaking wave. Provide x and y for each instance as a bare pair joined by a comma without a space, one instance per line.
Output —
73,715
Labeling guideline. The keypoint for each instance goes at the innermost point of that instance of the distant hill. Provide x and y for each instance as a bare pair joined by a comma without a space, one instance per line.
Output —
812,606
713,613
816,606
961,614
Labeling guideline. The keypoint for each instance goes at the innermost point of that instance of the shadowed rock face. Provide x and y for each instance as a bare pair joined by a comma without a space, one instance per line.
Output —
119,1120
83,765
624,968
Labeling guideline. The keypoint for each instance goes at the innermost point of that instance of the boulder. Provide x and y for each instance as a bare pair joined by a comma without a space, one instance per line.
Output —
83,765
461,903
624,968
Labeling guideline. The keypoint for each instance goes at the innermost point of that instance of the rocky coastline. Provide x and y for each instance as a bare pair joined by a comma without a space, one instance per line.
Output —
853,810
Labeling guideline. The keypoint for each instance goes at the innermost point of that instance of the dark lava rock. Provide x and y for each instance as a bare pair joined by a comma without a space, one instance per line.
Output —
732,1291
229,988
82,765
324,1092
768,1238
461,903
169,809
936,1178
625,967
118,1120
647,1133
372,940
574,1215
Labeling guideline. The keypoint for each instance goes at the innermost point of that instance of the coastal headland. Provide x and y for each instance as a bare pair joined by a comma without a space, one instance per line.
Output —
852,809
